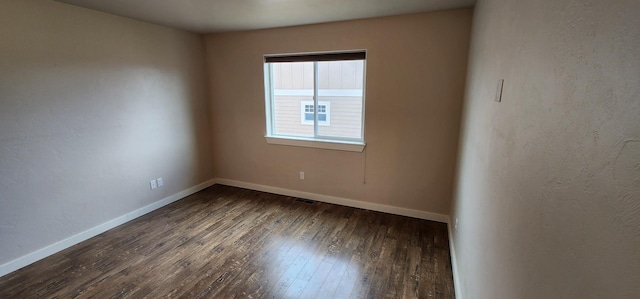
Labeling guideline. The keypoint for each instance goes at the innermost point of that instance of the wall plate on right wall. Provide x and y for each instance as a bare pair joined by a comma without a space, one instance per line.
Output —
499,91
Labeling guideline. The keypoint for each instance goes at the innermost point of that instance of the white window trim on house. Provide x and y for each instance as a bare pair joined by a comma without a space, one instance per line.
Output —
321,92
322,142
303,119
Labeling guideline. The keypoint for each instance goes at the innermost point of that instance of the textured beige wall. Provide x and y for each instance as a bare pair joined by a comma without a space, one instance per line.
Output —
92,107
416,66
548,199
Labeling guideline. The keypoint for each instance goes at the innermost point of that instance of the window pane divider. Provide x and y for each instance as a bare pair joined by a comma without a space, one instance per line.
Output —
315,98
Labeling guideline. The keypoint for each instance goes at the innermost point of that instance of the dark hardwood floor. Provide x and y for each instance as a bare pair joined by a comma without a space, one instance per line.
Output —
226,242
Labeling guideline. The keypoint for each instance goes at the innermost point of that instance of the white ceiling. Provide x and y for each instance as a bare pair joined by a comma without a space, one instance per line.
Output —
206,16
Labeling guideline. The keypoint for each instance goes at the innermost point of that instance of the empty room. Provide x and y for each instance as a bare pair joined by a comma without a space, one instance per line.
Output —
319,149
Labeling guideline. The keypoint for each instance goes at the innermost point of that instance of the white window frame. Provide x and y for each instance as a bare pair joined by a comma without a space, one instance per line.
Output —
303,119
319,141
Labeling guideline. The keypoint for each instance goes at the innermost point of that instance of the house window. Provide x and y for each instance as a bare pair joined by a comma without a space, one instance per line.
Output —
316,98
307,113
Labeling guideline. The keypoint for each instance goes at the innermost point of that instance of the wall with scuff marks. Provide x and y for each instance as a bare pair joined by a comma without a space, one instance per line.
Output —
548,191
92,107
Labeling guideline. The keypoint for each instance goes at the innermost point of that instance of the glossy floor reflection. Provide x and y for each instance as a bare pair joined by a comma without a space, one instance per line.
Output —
309,273
226,242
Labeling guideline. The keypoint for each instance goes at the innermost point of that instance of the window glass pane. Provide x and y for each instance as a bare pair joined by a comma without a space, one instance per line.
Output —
308,116
341,87
339,98
292,84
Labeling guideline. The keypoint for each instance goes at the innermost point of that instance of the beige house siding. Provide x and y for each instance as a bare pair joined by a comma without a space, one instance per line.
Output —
345,117
287,119
340,78
331,75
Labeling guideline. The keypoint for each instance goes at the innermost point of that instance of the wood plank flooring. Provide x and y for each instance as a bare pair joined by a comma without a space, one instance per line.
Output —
227,242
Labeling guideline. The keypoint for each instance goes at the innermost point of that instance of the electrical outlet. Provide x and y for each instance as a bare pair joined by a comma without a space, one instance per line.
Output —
456,226
160,182
302,175
154,184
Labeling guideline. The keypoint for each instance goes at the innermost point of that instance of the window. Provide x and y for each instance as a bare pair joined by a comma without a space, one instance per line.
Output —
316,99
307,116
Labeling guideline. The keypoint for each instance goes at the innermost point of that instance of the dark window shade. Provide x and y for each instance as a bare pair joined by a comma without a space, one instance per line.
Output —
361,55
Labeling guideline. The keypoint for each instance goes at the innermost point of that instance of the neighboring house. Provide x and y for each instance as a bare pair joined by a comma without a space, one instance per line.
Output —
340,90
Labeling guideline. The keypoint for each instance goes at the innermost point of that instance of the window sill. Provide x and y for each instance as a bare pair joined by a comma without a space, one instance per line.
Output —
317,143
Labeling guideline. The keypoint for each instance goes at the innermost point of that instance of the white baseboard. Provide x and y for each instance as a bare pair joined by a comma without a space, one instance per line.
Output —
39,254
454,264
338,200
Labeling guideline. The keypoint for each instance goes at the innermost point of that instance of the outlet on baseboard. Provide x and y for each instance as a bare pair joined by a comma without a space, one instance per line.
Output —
154,184
160,182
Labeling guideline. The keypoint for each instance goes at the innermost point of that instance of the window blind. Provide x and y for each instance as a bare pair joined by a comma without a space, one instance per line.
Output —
359,55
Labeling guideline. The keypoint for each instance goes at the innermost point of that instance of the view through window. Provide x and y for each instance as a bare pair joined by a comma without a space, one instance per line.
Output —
316,96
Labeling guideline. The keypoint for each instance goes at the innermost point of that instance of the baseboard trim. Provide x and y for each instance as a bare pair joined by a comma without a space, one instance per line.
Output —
454,264
337,200
39,254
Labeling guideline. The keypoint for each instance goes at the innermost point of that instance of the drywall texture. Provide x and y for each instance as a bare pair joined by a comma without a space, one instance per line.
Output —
92,107
416,66
548,197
